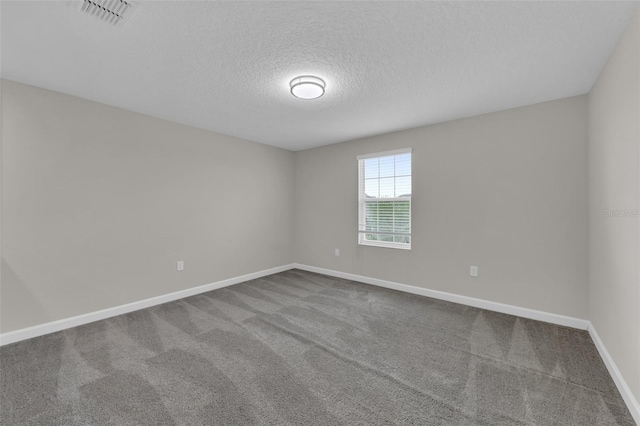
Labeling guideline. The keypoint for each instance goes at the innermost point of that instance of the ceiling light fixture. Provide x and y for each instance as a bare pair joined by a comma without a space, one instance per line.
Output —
307,87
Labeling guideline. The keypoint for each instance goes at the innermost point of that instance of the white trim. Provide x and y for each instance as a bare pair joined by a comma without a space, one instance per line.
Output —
566,321
51,327
384,153
623,388
383,244
387,199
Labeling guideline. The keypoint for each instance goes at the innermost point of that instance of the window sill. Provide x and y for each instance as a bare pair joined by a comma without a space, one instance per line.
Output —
384,244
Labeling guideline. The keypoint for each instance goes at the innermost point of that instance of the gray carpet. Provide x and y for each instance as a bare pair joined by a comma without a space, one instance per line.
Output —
298,348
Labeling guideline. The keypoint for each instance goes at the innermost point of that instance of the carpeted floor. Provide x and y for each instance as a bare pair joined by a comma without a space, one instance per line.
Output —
306,349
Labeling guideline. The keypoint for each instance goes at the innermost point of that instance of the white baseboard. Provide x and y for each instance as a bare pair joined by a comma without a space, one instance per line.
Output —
580,324
51,327
623,388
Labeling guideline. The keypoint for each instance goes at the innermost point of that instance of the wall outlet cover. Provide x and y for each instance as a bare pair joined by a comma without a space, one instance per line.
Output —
473,271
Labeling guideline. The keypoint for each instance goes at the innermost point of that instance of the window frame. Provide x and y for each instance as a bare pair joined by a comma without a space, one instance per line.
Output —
362,201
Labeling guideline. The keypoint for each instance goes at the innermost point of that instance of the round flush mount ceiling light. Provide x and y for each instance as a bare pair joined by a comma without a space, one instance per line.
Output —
307,87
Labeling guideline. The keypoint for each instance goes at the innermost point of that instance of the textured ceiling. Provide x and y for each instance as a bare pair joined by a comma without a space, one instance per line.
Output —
225,66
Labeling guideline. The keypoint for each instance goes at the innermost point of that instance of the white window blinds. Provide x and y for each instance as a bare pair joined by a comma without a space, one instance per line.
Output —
384,199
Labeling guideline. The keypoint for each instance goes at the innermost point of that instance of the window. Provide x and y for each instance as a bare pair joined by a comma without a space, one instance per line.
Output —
384,199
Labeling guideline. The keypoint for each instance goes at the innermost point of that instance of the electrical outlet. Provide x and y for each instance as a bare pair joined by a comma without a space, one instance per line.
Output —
180,265
337,252
473,271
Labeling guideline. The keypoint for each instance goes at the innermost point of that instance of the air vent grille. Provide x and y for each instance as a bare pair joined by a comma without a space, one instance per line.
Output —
114,12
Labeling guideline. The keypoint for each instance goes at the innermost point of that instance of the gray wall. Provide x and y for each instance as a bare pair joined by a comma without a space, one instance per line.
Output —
614,184
505,191
99,204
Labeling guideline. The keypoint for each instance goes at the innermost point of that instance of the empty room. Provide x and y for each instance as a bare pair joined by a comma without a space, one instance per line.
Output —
320,212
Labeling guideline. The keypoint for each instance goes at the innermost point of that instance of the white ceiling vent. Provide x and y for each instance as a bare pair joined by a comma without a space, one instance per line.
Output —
114,12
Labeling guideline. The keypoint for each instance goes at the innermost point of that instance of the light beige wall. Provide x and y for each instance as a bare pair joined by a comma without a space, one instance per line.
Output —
99,204
505,191
614,184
